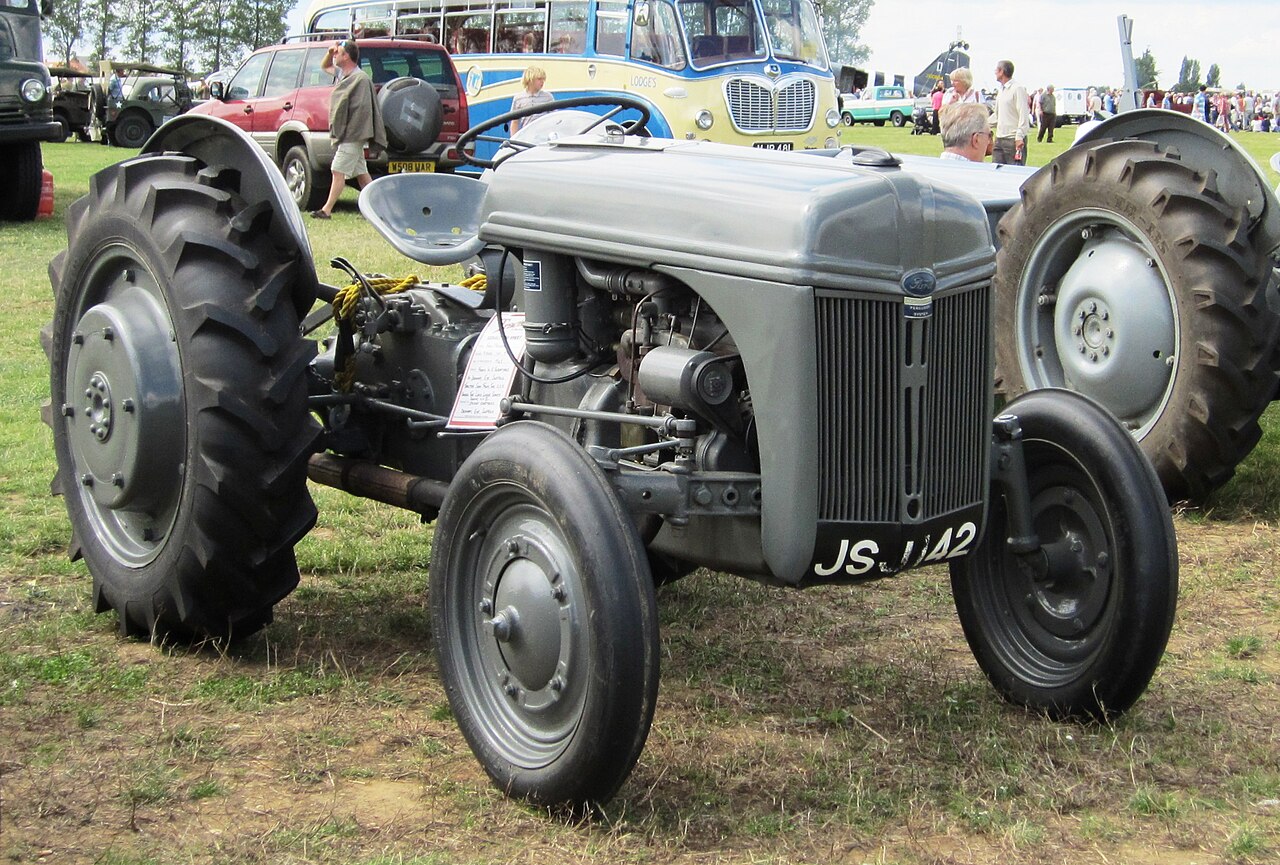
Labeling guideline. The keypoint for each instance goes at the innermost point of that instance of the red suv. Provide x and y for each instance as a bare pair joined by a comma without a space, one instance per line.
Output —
280,96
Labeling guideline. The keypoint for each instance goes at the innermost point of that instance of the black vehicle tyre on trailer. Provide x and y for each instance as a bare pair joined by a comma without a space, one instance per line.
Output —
65,122
132,130
179,399
21,172
306,185
1125,275
1076,628
544,618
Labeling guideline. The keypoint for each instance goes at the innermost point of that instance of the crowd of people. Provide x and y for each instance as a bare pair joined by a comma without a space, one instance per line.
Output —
974,126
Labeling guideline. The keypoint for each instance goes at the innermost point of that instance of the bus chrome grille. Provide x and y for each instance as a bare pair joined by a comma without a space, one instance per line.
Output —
896,396
757,105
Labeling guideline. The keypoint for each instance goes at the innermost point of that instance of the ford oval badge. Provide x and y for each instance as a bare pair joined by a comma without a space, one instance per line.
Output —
919,286
919,283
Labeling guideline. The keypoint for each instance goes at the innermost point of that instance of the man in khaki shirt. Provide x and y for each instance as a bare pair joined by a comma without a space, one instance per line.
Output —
1012,118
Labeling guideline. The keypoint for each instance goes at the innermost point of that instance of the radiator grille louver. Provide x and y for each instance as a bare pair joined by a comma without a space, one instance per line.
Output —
757,107
902,408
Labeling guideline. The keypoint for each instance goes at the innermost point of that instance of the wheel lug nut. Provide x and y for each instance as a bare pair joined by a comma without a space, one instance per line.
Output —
513,548
486,606
77,338
86,479
127,405
513,690
108,334
67,411
1093,307
558,593
117,480
557,684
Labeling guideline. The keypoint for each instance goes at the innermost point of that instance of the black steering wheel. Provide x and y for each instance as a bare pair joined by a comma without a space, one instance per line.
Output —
619,102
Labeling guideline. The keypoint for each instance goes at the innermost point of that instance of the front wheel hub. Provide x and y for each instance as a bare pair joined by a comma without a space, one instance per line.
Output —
531,624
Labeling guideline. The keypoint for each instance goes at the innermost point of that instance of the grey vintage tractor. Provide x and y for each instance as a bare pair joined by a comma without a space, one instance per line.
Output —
685,354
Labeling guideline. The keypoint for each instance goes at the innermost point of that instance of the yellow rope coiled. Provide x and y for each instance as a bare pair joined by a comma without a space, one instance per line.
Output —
344,308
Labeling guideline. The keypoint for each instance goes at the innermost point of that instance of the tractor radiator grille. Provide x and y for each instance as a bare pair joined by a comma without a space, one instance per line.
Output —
902,407
757,107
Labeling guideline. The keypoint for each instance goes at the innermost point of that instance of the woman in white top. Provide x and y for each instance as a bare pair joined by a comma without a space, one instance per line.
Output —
961,88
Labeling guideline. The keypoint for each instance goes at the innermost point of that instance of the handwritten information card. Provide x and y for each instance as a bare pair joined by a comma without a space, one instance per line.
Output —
489,375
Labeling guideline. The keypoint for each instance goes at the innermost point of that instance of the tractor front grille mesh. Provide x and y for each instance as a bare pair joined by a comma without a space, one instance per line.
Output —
902,407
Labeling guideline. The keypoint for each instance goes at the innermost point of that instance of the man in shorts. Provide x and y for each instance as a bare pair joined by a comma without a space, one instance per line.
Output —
354,121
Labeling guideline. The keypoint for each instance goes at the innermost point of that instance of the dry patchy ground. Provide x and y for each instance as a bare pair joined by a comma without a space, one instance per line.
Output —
837,725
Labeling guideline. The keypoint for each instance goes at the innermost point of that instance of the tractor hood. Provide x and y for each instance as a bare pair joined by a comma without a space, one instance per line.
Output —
795,219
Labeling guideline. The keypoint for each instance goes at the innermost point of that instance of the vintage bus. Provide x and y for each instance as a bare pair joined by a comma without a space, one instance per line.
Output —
751,72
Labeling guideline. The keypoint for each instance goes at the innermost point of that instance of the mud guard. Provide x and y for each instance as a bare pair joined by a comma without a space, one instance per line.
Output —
217,142
1240,179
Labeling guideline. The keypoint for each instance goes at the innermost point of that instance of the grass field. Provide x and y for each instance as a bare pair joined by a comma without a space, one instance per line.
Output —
835,725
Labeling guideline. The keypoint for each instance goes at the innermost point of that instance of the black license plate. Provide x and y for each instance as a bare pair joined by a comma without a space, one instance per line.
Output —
773,145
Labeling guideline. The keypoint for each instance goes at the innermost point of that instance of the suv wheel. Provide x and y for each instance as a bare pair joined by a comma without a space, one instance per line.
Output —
304,182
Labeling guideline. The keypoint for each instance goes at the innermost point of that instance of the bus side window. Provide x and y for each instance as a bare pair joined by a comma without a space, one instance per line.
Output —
611,27
567,32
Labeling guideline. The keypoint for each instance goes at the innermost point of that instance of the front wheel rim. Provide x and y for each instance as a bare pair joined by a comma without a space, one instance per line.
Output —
518,613
1051,612
1096,313
123,411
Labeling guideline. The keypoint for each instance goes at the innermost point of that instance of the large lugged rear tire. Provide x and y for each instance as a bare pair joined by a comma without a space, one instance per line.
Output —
1123,274
544,618
179,399
1077,628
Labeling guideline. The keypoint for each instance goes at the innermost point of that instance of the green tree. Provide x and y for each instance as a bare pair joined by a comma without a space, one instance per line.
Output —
260,22
215,28
64,28
103,26
1188,76
141,29
177,34
842,22
1148,75
1214,77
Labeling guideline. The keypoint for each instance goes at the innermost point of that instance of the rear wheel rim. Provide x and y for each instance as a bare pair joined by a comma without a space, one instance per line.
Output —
123,411
1082,328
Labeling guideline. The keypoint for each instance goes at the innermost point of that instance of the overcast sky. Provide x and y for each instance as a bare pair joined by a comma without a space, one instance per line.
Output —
1077,43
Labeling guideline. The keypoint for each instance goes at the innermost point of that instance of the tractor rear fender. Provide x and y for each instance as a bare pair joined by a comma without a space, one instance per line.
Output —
217,142
1240,180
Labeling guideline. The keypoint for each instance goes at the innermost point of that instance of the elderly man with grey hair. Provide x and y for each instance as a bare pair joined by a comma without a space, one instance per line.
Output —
966,131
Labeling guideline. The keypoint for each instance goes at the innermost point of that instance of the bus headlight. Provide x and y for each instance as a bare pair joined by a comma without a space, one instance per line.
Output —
704,119
33,90
832,143
833,118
